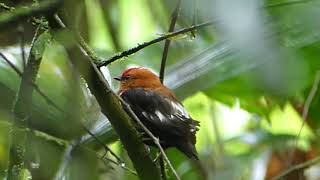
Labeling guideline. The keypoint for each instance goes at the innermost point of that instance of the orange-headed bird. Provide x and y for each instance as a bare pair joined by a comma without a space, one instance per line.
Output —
159,110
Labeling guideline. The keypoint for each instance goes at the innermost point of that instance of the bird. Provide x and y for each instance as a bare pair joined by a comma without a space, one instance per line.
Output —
159,109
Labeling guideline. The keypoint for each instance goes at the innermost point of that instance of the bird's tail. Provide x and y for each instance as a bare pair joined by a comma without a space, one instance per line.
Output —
189,150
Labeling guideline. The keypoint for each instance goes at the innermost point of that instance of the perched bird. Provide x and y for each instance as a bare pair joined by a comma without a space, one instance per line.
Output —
159,110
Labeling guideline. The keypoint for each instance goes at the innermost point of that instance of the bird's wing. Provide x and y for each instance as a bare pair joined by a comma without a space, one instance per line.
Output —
160,113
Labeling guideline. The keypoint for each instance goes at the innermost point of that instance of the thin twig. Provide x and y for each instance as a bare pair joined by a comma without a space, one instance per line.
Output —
146,44
107,149
22,43
308,102
300,166
194,17
11,64
154,139
281,4
112,27
162,168
104,159
305,111
120,163
174,18
219,141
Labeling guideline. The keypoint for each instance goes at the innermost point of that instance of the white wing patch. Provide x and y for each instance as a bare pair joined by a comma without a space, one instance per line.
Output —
145,114
160,116
179,109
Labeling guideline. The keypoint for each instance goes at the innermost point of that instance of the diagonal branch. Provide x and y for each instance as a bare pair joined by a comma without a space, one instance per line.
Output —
174,18
146,44
297,167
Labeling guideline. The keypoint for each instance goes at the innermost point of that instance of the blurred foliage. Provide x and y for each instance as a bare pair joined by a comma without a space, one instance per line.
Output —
246,79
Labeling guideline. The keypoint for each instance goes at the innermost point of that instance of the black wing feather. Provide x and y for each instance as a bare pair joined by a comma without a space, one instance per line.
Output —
165,118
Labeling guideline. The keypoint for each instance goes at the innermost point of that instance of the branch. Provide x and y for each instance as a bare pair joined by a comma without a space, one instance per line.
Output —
297,167
174,18
20,14
145,44
22,107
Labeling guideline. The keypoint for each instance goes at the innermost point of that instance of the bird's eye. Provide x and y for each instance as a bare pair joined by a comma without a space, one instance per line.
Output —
125,78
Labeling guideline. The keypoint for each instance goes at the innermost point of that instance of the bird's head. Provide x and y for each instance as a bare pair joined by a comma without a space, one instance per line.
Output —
138,78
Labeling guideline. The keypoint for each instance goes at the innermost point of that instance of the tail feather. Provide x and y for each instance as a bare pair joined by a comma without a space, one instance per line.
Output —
189,150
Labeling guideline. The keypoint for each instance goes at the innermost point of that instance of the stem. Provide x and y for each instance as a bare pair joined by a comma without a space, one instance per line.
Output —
162,168
174,18
305,111
22,42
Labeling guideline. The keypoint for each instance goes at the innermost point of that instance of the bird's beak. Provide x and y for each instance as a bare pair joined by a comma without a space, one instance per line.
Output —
117,78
